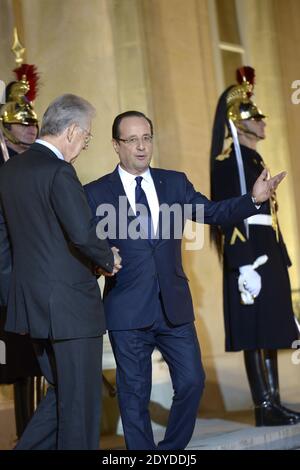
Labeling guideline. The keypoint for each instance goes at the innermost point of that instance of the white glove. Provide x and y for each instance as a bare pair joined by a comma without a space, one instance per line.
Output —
249,281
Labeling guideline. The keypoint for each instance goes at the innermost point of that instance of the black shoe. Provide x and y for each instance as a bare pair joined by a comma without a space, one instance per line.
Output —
270,414
288,412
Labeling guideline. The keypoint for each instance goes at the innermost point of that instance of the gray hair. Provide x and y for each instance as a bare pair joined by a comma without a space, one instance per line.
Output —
64,111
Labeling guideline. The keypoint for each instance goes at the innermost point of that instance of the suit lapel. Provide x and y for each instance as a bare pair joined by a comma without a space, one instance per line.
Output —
117,188
161,188
160,184
116,185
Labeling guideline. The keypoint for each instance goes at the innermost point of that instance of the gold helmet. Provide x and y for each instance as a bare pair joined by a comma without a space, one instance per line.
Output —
18,108
240,107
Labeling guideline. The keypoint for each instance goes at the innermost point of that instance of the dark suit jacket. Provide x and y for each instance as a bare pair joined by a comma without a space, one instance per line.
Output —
52,290
131,301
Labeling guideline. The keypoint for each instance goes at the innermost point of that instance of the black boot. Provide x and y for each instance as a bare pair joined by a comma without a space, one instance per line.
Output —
271,370
267,413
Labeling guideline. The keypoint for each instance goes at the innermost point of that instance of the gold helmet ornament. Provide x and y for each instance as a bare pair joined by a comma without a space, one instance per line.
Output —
240,106
20,94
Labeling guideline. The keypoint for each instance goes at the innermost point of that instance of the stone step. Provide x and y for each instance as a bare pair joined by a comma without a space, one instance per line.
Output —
221,434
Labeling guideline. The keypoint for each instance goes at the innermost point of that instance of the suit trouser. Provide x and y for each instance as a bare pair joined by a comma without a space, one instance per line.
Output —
68,417
180,349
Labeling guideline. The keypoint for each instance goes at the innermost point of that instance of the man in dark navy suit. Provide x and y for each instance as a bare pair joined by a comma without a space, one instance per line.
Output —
148,304
53,295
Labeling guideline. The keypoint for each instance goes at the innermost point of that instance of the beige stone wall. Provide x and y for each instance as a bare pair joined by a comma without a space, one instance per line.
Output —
266,38
71,41
6,28
286,17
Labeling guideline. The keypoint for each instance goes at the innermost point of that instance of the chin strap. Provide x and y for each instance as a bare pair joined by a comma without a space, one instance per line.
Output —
246,131
25,144
3,146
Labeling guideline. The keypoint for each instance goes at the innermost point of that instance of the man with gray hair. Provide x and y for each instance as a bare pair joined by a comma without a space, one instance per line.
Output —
53,294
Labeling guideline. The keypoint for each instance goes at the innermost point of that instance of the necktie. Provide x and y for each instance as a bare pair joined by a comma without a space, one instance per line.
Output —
145,216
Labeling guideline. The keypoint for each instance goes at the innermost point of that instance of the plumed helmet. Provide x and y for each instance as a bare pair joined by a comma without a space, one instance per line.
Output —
240,106
20,94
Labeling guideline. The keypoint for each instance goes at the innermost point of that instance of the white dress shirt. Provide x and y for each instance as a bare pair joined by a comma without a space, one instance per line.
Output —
51,147
129,184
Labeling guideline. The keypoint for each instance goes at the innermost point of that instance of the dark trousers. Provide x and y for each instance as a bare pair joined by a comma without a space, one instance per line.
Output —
28,392
69,415
180,349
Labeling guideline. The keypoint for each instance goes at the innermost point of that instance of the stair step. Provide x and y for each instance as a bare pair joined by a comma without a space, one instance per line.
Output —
221,434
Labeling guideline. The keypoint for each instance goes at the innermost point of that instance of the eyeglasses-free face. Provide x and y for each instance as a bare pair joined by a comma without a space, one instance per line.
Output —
255,128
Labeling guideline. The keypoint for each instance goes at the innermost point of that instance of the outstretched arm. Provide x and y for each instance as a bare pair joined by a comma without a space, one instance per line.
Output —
234,210
265,186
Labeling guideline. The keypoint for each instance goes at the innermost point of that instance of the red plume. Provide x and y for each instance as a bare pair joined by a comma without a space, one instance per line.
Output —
32,76
245,73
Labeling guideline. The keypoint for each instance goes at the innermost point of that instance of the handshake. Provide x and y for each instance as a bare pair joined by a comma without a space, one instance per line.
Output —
117,265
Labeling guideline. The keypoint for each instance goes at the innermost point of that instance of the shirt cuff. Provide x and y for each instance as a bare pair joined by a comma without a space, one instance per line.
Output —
258,206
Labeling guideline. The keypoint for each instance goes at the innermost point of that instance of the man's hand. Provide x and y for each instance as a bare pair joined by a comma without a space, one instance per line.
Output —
117,265
117,260
101,272
265,186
